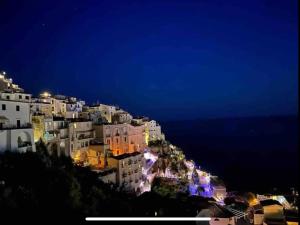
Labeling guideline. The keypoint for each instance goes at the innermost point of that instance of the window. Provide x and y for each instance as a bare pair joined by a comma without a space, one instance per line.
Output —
3,107
18,123
18,108
7,97
27,97
108,141
125,139
20,96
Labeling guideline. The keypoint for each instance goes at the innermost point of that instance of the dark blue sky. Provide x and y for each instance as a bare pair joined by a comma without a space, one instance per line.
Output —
164,59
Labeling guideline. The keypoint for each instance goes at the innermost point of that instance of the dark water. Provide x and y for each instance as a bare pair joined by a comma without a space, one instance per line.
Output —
256,154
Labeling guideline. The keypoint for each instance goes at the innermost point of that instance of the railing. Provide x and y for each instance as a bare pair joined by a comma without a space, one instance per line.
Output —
80,137
63,126
13,127
24,144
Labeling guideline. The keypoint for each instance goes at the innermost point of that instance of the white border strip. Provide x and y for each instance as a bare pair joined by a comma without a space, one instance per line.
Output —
147,219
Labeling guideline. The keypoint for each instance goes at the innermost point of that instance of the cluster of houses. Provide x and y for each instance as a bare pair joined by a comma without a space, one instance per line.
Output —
104,137
109,140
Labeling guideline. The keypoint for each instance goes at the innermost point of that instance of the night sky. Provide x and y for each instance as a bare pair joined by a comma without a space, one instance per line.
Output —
165,59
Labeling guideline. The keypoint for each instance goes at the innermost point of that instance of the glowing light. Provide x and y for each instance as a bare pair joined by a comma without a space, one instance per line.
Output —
46,94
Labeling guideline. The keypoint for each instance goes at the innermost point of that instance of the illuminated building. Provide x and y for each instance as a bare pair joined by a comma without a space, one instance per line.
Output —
122,138
6,84
39,107
97,154
106,111
38,125
121,117
81,133
16,132
56,135
218,215
154,130
129,170
73,107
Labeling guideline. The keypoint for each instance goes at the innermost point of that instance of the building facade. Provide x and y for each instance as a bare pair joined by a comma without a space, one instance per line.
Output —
81,132
122,138
16,132
128,170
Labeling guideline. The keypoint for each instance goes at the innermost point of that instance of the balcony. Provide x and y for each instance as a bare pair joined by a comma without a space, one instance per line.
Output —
25,149
81,137
14,127
64,126
24,144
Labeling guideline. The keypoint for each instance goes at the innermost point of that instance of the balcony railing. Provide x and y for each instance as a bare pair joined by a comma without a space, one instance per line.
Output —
24,144
80,137
13,127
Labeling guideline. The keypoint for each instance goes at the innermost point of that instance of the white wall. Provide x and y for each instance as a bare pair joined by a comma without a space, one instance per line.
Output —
13,115
9,140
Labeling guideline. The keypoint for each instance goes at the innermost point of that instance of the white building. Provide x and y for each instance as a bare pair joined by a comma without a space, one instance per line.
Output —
16,132
56,135
73,107
129,170
154,130
121,117
6,84
39,107
81,132
122,138
107,111
218,215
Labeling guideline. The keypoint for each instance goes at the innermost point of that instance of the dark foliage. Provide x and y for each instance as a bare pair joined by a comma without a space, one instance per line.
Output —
39,185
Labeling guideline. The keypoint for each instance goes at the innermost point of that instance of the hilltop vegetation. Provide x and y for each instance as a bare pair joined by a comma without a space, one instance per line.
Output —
43,185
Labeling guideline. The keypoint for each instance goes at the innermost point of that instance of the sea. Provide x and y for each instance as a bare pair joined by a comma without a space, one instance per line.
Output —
258,154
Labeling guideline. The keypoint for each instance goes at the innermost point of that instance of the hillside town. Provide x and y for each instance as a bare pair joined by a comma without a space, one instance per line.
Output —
128,152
